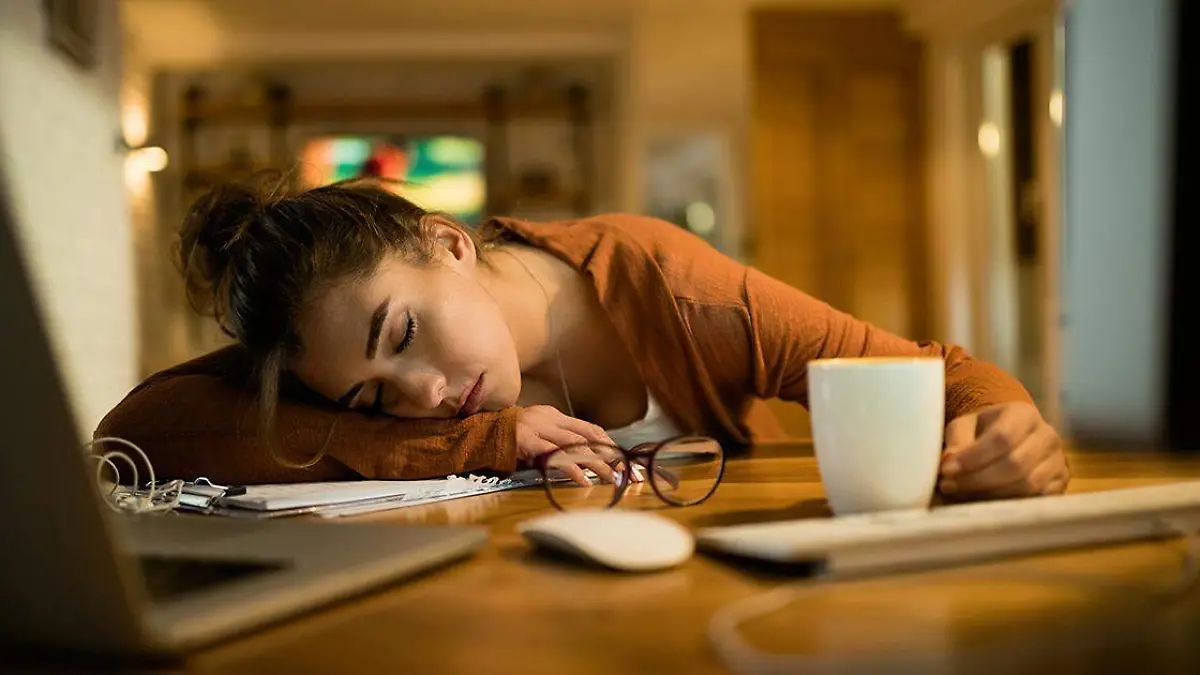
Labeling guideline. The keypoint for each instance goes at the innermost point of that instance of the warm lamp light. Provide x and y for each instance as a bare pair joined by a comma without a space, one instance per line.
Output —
150,158
989,139
142,158
1056,107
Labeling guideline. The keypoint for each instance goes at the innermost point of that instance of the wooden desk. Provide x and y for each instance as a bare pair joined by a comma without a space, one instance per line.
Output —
510,610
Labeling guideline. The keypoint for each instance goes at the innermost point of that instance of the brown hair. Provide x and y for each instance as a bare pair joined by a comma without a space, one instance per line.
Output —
252,254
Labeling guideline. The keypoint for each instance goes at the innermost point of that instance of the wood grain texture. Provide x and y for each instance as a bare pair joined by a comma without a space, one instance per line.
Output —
512,610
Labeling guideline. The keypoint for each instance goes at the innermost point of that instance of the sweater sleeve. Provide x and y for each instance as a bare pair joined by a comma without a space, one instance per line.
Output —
790,328
200,419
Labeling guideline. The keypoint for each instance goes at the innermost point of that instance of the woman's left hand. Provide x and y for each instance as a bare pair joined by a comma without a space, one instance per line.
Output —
1004,450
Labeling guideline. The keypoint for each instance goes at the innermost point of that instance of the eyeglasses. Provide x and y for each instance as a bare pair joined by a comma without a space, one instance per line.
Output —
682,471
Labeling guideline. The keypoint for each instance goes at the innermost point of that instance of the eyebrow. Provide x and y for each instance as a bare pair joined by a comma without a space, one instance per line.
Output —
377,319
376,328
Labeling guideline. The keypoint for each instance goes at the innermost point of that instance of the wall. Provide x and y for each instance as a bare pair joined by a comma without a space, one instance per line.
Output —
58,134
690,71
1119,98
163,315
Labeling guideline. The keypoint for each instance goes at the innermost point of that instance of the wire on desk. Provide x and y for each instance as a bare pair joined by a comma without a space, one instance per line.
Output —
124,499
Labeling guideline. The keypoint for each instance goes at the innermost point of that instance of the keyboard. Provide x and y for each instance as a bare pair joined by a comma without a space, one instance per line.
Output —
965,532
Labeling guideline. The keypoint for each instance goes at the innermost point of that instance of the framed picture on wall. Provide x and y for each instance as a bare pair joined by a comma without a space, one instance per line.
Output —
686,180
71,27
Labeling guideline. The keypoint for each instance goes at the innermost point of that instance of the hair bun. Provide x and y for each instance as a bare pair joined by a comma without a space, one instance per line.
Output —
210,242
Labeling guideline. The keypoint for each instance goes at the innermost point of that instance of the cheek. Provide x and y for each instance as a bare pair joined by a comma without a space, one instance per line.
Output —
472,330
486,335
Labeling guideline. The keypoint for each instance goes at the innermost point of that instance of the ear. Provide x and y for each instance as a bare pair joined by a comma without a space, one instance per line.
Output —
452,245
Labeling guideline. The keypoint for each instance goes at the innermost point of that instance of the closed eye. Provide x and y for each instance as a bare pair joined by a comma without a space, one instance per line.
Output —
409,331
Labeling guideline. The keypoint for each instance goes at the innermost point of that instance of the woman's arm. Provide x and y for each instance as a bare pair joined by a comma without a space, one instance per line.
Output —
997,444
201,419
790,328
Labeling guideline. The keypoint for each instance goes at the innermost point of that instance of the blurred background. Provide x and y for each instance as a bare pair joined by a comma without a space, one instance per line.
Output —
998,174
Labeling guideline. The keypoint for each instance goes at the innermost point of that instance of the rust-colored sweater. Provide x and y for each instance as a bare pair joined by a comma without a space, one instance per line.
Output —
709,335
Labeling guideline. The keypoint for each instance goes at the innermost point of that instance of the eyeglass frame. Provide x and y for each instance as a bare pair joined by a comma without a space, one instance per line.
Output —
636,454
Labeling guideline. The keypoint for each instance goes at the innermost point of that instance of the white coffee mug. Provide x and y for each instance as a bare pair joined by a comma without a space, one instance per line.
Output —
878,425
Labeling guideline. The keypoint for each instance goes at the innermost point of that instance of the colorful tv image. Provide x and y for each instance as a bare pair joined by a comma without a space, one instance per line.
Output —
440,172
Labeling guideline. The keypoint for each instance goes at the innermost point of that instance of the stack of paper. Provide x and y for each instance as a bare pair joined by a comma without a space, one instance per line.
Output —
342,498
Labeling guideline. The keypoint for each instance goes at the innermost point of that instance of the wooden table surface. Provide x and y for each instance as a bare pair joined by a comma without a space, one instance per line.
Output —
510,609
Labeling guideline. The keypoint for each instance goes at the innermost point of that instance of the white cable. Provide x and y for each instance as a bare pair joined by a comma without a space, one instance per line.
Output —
1007,656
130,500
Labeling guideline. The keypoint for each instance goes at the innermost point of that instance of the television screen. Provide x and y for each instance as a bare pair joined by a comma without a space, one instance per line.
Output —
441,173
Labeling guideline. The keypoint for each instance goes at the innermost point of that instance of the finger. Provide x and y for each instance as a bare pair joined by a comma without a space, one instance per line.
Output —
573,472
563,438
1037,481
1059,482
553,459
619,464
1011,473
610,453
1012,469
600,467
1054,475
586,429
998,439
602,459
569,438
961,432
582,455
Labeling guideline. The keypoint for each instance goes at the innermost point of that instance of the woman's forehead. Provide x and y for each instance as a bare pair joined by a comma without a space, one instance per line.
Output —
333,331
364,292
341,311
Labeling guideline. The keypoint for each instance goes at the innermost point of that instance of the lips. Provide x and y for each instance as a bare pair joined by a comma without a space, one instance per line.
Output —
473,400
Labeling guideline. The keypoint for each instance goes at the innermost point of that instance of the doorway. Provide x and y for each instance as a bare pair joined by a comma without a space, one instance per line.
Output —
838,175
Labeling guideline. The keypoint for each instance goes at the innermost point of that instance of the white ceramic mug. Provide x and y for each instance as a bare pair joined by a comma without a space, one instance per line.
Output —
877,426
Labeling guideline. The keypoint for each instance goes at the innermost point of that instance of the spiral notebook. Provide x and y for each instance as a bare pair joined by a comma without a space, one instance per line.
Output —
342,498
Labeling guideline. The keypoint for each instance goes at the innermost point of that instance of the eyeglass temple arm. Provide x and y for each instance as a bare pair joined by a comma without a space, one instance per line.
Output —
659,471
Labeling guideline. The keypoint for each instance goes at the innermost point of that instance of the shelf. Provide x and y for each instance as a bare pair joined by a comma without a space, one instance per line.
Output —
203,177
565,198
216,112
277,110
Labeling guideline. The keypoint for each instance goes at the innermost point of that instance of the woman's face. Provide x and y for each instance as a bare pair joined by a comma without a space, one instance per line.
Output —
412,340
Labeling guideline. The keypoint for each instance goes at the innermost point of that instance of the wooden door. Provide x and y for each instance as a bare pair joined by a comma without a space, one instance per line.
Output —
837,173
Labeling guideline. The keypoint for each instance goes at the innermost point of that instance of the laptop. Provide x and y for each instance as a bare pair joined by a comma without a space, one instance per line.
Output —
78,577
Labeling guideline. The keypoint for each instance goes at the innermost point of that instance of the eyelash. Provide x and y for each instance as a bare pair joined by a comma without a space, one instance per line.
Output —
377,406
408,334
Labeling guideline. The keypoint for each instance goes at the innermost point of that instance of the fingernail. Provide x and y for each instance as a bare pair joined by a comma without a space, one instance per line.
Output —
951,466
949,486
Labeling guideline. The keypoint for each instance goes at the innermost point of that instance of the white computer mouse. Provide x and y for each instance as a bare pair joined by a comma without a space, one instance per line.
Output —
631,541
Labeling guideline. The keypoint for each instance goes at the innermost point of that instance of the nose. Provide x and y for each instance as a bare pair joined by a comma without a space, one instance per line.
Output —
423,389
